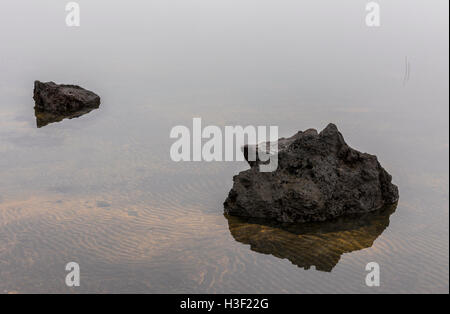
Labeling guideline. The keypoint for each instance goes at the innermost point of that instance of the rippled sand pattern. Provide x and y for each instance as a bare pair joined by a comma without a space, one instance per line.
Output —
175,248
137,222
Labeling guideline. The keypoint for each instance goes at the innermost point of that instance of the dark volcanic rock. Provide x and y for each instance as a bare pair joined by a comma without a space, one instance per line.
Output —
63,99
319,177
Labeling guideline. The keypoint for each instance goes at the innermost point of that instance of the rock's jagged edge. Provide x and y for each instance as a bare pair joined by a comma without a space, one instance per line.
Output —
319,177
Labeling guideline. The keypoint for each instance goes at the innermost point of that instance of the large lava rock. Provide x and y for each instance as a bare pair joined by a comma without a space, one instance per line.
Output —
63,99
319,177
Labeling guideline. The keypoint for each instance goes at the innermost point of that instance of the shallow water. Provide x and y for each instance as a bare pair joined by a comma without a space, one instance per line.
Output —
101,189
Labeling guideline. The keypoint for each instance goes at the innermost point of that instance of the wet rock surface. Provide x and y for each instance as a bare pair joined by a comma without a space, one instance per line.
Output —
317,244
54,102
319,177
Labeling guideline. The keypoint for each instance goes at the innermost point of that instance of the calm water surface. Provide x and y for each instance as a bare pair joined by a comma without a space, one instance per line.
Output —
102,191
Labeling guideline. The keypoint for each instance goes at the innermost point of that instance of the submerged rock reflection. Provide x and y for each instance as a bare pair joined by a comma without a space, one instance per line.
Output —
46,118
311,244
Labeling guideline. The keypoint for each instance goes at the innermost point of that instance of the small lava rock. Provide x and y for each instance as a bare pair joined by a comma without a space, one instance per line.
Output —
63,99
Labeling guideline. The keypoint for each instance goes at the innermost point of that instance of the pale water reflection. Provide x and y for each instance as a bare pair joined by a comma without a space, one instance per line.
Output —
307,245
46,118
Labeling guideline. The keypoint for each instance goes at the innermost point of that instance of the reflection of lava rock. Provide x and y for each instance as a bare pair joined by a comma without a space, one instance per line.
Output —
318,244
45,118
319,177
54,102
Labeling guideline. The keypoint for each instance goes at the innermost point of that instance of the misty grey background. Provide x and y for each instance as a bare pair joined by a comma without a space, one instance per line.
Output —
157,64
